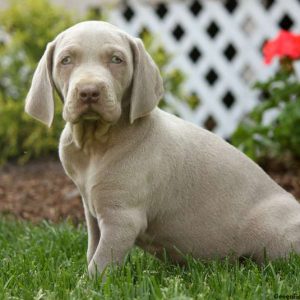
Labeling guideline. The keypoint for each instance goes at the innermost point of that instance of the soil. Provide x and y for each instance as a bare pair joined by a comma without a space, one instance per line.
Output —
286,172
40,189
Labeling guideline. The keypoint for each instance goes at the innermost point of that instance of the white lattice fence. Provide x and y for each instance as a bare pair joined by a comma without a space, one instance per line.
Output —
217,44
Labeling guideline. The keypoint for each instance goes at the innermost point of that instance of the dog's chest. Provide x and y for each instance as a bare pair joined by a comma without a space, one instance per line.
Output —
84,172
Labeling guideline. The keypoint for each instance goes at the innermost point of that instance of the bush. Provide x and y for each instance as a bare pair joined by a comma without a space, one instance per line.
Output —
30,25
30,30
22,137
260,139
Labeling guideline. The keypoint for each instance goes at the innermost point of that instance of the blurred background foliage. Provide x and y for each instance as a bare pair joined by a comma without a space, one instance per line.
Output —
27,26
277,136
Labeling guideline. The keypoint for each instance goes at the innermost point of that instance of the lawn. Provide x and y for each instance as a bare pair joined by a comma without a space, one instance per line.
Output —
47,261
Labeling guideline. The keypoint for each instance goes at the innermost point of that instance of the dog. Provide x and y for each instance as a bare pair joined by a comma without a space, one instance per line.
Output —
146,177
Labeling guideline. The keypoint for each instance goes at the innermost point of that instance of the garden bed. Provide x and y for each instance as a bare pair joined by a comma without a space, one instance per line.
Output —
41,190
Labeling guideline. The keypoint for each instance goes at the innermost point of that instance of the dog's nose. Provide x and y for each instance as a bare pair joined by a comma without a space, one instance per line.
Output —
89,93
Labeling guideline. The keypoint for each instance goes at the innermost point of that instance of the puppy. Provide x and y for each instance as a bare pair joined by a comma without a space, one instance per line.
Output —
147,177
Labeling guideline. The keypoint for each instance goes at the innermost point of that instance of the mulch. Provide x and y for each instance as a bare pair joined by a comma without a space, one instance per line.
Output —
40,189
286,172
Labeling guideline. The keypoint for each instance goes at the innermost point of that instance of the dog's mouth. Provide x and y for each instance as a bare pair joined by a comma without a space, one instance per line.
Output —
90,116
86,116
102,112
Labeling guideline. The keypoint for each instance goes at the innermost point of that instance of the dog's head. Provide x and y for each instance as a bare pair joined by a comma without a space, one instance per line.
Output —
94,67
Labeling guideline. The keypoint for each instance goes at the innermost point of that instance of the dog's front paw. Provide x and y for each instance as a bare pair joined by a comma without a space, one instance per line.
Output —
92,269
95,271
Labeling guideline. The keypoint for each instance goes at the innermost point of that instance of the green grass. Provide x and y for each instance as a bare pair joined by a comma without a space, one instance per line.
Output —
47,261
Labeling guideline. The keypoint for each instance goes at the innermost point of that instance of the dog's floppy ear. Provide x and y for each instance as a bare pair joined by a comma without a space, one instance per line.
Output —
40,99
147,85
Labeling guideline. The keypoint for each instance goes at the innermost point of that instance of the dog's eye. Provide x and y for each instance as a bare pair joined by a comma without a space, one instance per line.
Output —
66,60
116,60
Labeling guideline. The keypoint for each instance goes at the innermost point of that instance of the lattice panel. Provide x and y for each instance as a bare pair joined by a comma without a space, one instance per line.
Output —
217,44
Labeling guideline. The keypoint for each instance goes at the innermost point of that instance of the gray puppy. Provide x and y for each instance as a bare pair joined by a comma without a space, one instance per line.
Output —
147,177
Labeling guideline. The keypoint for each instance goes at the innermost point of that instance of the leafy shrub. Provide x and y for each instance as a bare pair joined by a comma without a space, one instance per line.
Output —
31,25
259,139
22,137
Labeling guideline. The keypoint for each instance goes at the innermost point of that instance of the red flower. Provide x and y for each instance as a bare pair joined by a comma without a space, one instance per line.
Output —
286,44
